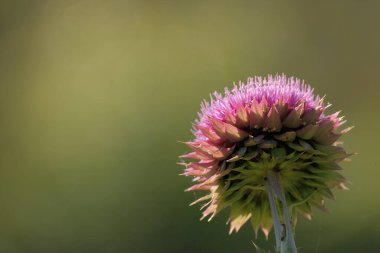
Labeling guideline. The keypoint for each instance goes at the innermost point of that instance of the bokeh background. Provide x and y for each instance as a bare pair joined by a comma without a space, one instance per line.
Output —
95,94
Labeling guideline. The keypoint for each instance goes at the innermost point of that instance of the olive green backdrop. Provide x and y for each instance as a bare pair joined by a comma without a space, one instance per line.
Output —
95,94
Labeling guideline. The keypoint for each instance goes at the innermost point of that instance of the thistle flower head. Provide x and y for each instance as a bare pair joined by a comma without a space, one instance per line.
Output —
268,125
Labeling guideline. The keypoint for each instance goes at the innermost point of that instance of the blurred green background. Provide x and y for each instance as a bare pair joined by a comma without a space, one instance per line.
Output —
95,94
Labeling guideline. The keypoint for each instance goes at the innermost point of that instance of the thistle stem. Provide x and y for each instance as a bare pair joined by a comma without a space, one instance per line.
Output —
283,232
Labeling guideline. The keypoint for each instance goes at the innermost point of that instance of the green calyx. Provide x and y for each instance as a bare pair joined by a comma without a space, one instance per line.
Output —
307,171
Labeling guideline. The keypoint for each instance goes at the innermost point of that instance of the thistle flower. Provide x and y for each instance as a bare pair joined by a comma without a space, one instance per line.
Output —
265,143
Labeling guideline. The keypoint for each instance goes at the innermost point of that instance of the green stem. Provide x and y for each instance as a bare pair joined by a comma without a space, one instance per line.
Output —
284,233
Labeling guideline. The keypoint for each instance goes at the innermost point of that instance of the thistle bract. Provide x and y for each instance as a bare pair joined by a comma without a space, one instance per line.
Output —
274,127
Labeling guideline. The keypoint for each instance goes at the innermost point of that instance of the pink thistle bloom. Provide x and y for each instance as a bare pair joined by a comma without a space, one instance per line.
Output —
266,142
